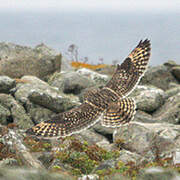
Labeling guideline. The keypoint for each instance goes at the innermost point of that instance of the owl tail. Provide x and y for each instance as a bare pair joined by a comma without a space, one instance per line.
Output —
119,113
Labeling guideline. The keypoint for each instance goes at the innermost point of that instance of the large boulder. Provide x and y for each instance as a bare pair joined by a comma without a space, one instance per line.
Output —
176,72
158,173
34,174
39,92
144,117
172,91
13,112
6,84
158,76
17,61
100,79
148,98
71,82
170,111
150,140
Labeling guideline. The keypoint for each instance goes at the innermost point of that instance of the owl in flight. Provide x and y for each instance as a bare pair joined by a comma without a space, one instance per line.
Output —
110,104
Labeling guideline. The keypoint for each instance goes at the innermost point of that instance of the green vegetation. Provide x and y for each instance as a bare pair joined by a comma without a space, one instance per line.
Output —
85,158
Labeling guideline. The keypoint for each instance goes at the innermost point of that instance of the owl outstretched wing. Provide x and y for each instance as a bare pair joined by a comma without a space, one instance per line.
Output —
67,123
128,74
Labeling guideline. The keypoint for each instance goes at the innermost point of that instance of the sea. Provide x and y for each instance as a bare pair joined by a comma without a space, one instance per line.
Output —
106,37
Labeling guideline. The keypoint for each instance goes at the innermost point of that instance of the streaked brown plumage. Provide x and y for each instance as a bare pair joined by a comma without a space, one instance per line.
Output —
109,104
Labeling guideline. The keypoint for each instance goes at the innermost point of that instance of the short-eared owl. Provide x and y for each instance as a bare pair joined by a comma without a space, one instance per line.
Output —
109,104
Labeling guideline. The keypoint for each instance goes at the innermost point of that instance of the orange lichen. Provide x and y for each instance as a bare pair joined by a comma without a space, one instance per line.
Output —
21,80
78,65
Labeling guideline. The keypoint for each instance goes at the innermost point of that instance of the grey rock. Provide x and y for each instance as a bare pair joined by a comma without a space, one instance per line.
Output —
133,136
176,72
147,98
44,49
144,117
71,82
8,162
173,85
176,158
38,92
50,100
5,115
39,114
159,76
13,139
127,156
32,174
116,176
105,131
6,84
89,177
106,165
17,112
165,130
46,159
17,61
100,79
93,138
158,173
170,111
170,63
172,91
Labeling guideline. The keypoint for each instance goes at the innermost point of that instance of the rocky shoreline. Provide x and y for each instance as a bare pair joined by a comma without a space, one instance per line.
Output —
36,83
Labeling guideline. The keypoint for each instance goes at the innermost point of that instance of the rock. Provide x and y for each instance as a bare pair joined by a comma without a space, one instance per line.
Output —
131,137
176,158
14,112
176,72
38,92
39,114
127,156
14,141
5,115
93,138
116,176
8,162
170,64
51,100
6,84
158,173
17,61
158,76
170,111
89,177
106,165
148,99
71,82
173,85
33,174
43,49
105,131
46,159
172,92
144,117
99,79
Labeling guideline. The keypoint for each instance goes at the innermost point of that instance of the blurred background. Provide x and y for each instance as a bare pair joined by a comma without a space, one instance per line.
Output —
101,31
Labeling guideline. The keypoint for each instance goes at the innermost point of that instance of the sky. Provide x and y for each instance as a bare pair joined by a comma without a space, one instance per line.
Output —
90,5
100,28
